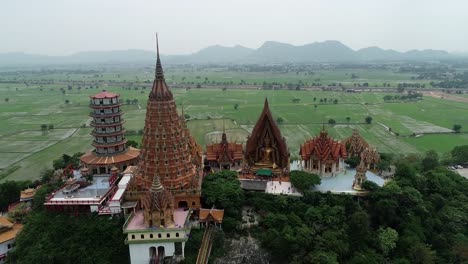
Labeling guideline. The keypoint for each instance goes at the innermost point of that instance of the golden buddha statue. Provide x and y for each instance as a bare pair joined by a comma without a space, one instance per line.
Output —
267,155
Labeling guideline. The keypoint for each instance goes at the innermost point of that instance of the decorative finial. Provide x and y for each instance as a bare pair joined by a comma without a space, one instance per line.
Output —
159,74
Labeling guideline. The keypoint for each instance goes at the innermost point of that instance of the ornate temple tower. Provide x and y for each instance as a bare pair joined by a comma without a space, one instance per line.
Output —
168,149
360,176
109,136
355,144
370,157
159,210
265,147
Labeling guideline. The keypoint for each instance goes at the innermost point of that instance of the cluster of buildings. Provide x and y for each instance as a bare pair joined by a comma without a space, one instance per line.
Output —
158,187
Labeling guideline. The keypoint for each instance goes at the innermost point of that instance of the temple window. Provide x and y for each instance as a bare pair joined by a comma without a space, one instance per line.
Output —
159,235
133,236
167,175
165,162
177,234
151,235
168,235
142,236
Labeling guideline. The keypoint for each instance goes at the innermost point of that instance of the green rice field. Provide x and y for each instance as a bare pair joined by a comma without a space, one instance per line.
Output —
25,149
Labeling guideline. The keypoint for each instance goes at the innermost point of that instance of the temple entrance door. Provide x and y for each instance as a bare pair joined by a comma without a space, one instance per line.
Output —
102,170
161,254
182,204
153,255
226,167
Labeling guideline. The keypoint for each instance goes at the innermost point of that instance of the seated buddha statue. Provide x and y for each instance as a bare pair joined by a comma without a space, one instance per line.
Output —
267,155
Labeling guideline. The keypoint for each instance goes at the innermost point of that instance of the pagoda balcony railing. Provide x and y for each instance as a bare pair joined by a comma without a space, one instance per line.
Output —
100,106
116,152
108,133
108,114
107,124
109,144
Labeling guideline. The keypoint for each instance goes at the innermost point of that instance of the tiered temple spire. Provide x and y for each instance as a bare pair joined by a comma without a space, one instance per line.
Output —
168,149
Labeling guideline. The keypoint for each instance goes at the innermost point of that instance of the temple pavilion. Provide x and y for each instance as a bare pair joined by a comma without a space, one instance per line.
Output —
323,155
266,152
355,144
224,155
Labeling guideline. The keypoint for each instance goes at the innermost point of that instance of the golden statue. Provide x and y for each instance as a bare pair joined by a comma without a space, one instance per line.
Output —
267,155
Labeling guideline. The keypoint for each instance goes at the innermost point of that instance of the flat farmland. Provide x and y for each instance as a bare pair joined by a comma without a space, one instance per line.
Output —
25,149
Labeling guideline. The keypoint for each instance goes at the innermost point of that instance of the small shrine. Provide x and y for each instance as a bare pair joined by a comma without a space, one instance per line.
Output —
323,155
224,155
360,176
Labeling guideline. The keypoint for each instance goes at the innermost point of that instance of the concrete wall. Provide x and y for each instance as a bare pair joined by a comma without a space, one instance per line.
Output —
140,253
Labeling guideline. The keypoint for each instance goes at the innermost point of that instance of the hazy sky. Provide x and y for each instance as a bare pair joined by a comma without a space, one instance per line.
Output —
59,27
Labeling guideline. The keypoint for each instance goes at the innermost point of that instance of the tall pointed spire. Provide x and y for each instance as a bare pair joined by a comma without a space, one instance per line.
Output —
160,91
159,74
265,105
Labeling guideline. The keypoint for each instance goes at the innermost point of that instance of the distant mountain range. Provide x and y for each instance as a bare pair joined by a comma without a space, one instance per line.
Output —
269,52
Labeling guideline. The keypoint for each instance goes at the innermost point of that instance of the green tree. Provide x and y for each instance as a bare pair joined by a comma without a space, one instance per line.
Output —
348,119
388,238
236,106
43,127
331,121
222,189
457,128
459,154
279,120
368,119
303,181
132,143
430,161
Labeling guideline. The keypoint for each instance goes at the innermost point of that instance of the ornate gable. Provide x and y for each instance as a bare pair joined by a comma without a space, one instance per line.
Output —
323,148
266,128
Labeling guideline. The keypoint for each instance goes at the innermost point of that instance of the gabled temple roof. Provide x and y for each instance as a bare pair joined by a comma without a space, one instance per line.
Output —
266,123
215,214
221,151
323,148
159,91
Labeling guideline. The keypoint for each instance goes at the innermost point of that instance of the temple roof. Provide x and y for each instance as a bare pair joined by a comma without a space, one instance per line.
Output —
216,214
91,158
157,199
355,144
224,151
8,230
323,148
370,155
104,94
159,91
267,124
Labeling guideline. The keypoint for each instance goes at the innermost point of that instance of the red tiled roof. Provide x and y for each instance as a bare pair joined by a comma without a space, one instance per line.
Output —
104,94
216,214
91,158
224,150
323,148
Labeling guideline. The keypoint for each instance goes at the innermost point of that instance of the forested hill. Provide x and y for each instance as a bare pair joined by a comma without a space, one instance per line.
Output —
269,52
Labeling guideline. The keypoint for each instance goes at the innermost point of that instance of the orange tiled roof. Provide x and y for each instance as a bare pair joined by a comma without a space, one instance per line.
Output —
28,193
224,150
92,159
323,148
216,214
8,230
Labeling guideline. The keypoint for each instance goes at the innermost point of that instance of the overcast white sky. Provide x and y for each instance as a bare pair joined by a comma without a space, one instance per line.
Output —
60,27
